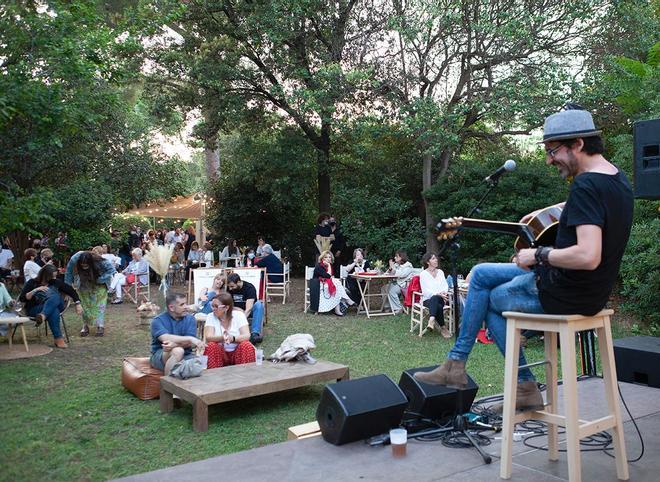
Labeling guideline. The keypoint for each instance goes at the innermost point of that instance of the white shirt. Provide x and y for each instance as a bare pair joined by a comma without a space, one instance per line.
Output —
115,260
6,255
238,320
30,270
432,286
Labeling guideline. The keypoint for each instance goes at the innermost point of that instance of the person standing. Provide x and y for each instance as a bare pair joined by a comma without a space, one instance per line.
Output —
574,277
90,274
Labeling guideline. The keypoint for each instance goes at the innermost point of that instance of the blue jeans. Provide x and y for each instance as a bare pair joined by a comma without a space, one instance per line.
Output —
495,288
257,315
51,308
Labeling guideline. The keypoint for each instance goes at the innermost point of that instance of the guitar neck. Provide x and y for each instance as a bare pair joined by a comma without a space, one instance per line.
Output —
515,229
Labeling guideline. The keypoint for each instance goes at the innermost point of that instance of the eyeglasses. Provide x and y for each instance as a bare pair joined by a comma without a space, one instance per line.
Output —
552,152
217,307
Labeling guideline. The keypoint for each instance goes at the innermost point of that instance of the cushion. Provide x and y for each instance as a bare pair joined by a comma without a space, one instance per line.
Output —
140,378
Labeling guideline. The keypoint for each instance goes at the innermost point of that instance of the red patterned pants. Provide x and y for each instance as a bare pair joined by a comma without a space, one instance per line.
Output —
218,357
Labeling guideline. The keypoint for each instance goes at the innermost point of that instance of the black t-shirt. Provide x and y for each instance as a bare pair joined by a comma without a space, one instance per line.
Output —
603,200
241,295
324,231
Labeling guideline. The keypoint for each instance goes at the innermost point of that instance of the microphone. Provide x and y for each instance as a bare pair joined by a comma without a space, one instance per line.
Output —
509,165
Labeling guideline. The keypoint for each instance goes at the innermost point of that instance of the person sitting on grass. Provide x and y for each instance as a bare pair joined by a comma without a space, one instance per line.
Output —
227,334
43,300
246,299
173,334
137,271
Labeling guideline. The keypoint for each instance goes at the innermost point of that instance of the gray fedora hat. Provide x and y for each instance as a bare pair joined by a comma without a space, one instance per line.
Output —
568,124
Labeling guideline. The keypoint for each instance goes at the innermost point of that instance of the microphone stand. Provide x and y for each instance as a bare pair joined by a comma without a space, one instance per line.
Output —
454,249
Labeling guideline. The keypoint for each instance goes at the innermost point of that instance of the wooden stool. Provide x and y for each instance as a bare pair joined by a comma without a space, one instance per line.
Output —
19,321
566,326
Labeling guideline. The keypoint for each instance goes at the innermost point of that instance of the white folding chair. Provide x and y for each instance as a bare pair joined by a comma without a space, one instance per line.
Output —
282,287
343,274
309,274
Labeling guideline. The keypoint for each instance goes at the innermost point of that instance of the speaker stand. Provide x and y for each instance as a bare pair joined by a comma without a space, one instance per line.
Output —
461,426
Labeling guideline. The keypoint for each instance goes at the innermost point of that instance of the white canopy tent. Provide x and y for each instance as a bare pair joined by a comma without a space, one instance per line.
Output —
182,207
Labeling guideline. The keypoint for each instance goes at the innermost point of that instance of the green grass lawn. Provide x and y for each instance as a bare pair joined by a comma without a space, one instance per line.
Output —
68,417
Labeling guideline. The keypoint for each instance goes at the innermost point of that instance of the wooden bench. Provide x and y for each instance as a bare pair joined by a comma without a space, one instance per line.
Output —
236,382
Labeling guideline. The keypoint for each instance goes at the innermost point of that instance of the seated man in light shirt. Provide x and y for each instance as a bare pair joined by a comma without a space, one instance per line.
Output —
173,335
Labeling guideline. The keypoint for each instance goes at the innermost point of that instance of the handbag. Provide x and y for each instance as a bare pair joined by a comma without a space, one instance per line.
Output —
130,278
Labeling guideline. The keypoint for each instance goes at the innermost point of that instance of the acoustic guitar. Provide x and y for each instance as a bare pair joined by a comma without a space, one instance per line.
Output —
541,230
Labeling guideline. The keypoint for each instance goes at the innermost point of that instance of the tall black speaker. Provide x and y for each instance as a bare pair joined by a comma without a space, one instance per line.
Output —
436,401
361,408
646,136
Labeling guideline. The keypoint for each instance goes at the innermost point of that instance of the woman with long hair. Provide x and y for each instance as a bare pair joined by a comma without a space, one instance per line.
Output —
434,292
230,251
43,298
90,274
332,295
227,334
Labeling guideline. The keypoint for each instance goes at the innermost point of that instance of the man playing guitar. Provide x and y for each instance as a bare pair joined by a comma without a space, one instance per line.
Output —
574,277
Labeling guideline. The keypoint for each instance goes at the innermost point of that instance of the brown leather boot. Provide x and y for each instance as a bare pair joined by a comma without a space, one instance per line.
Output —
450,373
528,397
60,343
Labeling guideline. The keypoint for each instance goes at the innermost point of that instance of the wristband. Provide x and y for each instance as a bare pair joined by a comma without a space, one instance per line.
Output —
541,255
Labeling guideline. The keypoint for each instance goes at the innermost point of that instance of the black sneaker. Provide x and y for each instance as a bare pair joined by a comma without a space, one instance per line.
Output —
256,338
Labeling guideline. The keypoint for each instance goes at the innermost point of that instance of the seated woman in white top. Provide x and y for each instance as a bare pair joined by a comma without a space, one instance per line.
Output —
434,292
138,267
226,333
30,268
403,270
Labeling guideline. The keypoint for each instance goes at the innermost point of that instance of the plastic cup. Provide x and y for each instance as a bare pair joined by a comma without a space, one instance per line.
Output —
399,442
205,361
260,356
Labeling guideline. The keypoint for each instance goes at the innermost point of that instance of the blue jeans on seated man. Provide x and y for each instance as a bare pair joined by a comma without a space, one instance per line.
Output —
257,318
51,308
495,288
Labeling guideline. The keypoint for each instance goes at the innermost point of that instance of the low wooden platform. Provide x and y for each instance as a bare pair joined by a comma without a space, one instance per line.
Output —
219,385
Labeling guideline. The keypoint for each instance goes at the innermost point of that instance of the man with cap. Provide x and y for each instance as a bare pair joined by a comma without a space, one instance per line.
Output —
575,276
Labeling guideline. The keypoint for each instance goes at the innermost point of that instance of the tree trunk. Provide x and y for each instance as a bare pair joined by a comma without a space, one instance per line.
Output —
432,245
323,163
18,240
212,155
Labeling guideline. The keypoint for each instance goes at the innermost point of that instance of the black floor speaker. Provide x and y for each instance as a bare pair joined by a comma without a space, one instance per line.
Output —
357,409
638,360
436,401
646,140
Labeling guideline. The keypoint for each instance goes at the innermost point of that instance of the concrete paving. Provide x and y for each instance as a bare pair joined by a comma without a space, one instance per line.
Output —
313,459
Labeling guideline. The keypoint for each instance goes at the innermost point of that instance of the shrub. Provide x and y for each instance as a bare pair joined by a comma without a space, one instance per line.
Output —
640,271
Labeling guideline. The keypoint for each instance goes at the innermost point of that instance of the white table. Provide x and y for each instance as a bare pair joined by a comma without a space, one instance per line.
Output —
18,321
366,294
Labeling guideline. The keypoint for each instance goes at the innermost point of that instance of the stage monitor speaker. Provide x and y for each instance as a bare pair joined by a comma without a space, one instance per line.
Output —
357,409
638,360
436,401
646,135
